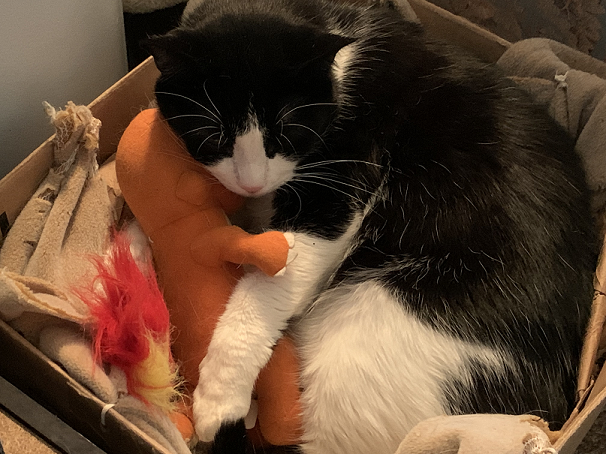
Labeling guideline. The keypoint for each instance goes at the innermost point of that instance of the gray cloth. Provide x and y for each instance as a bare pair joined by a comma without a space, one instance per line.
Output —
573,87
155,424
147,6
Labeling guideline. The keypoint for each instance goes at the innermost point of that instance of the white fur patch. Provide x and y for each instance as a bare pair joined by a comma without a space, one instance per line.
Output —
342,73
342,61
249,172
254,318
250,162
371,370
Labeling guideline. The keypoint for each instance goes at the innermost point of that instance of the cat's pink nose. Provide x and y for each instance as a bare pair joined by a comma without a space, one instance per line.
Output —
251,189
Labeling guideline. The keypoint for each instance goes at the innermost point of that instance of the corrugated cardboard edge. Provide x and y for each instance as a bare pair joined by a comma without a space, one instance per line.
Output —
583,418
454,29
577,427
595,329
17,187
119,104
115,107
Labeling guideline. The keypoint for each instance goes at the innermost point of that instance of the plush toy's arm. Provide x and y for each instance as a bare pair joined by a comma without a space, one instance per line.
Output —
268,251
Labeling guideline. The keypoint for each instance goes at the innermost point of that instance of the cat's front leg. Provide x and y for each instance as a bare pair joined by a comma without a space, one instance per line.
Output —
254,318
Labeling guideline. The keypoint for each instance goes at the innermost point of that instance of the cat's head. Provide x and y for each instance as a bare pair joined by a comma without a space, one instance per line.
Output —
251,98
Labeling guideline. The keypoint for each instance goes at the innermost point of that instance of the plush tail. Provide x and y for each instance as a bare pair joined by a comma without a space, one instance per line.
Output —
131,327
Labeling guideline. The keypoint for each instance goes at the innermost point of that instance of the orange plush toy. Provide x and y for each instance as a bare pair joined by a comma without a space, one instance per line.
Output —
182,208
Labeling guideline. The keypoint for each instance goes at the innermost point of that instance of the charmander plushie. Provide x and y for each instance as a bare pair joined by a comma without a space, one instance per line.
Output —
198,255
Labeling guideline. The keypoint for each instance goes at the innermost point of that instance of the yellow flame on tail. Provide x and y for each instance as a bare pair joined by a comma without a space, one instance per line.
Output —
157,377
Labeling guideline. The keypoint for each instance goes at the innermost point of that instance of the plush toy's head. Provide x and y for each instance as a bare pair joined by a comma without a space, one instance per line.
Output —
160,180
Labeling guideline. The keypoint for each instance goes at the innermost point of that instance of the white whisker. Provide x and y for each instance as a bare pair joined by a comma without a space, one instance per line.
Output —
211,101
319,176
336,161
293,189
310,129
291,145
189,99
304,105
331,173
204,141
221,137
199,129
357,199
191,115
280,142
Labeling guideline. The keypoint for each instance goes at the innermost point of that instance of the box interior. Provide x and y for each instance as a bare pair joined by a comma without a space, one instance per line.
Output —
31,371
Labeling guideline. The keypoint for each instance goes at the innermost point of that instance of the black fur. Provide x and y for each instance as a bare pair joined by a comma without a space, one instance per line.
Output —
231,439
482,223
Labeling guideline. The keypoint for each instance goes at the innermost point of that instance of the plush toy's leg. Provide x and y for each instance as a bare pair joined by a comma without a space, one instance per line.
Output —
182,418
257,312
278,396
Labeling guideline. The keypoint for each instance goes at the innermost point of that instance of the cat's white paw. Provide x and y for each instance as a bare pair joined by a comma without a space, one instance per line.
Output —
290,239
211,410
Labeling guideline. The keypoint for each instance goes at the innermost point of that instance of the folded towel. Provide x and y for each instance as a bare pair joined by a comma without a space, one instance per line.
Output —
478,434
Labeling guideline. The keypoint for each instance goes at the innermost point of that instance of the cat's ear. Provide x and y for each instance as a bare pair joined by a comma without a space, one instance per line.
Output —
169,52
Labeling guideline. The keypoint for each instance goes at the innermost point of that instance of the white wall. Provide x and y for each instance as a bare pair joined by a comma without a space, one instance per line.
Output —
55,51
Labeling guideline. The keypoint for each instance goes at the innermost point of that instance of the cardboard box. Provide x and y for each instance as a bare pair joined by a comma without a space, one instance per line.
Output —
46,382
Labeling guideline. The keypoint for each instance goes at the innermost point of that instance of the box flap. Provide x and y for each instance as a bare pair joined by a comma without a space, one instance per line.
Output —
576,429
454,29
120,103
116,107
18,186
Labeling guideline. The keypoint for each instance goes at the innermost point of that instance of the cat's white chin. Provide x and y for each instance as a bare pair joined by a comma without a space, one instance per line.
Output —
249,172
278,170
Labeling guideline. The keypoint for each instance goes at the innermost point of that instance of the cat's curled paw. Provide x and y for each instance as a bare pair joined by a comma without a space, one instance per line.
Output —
290,239
212,410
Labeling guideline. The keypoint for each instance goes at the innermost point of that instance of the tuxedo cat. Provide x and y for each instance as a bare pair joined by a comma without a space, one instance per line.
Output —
443,241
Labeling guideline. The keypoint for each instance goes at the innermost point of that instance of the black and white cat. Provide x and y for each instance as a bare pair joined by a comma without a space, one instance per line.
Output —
443,241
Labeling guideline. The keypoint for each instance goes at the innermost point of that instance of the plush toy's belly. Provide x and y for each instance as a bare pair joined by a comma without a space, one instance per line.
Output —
195,295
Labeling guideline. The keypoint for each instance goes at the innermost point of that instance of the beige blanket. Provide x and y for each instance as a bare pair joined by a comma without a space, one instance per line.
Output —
47,253
67,218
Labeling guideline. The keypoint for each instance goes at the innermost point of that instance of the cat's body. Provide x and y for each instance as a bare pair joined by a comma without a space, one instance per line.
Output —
441,220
